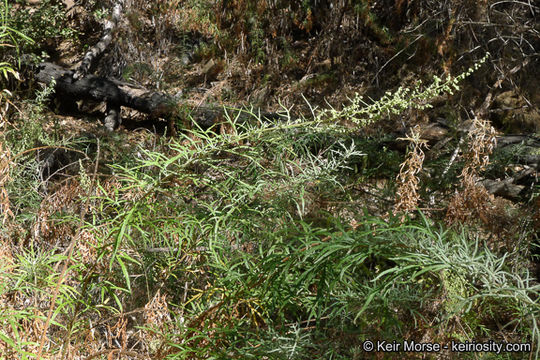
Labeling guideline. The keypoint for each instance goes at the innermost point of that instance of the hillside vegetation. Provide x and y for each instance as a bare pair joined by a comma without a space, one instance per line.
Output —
327,173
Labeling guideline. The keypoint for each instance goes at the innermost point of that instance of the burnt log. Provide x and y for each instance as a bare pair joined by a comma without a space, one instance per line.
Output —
114,93
117,93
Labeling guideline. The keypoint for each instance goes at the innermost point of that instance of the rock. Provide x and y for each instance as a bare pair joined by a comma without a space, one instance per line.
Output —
513,113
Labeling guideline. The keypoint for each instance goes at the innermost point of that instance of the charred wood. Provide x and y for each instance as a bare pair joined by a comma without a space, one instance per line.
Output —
100,47
117,93
98,88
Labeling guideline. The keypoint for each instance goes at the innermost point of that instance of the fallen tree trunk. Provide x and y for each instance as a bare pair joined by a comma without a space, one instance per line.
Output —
117,93
114,93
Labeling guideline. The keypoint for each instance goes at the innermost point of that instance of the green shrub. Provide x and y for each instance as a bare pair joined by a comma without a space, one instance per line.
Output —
45,23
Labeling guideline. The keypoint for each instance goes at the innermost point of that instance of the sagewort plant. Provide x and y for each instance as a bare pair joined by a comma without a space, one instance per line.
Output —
212,245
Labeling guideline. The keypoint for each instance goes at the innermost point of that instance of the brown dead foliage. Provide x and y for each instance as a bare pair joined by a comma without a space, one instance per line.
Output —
65,198
156,317
473,200
407,194
5,168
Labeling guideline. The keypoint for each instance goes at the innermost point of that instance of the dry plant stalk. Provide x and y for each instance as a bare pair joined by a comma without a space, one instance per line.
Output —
156,315
5,167
5,160
156,312
407,194
118,332
472,201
